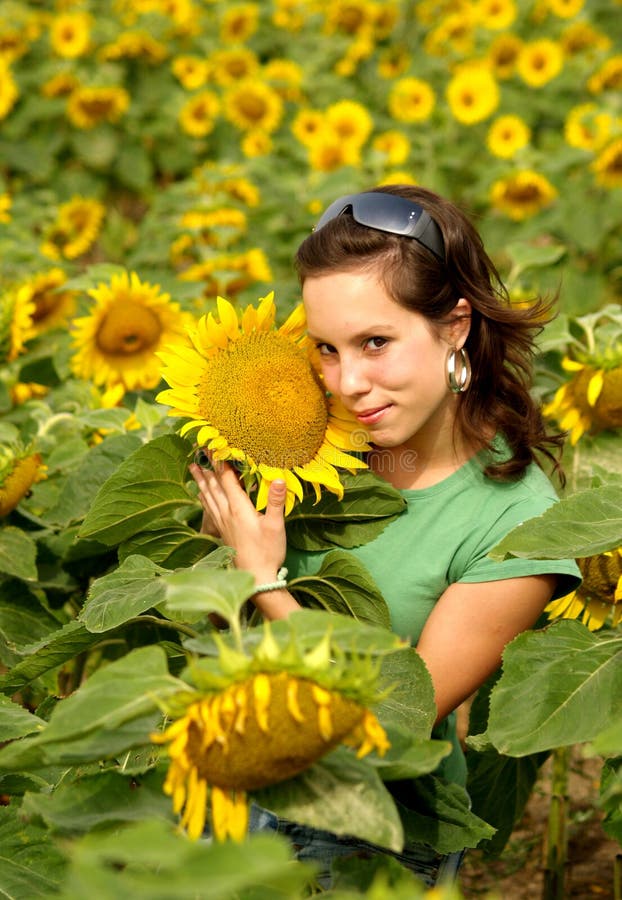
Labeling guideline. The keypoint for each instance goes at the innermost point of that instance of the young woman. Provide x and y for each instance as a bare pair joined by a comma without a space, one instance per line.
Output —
416,336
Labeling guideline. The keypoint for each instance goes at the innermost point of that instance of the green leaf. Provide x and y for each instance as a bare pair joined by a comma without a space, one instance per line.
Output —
23,620
96,467
15,721
152,860
559,686
81,803
438,814
607,743
408,757
206,589
527,255
583,524
30,864
18,553
173,545
48,653
342,794
345,586
149,484
123,594
367,507
410,702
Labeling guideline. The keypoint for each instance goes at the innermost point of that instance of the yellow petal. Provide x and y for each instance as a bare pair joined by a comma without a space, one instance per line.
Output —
295,324
595,386
228,318
571,365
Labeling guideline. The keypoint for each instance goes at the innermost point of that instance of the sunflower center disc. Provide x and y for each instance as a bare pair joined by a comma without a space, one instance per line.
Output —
265,399
128,327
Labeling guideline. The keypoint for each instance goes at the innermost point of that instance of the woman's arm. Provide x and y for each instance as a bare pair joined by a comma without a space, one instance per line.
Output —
464,636
258,539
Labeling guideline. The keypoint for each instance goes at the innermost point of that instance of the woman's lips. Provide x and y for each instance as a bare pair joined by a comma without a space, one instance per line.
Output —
371,416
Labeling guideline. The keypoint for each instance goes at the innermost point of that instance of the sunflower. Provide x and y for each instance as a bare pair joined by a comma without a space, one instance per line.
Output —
191,71
598,599
608,165
472,94
539,62
307,125
411,100
590,401
60,85
507,135
565,9
253,105
256,143
16,312
52,306
75,230
393,145
8,89
239,22
230,66
19,470
70,34
89,106
349,17
197,116
454,34
284,427
608,77
328,153
290,15
393,62
496,15
587,126
273,719
117,342
522,195
581,36
350,121
134,45
503,54
6,202
286,77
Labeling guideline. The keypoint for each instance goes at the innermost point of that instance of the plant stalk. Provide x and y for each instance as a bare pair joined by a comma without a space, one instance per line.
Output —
556,839
617,877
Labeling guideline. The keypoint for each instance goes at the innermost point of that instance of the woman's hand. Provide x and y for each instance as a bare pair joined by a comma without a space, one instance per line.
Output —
258,538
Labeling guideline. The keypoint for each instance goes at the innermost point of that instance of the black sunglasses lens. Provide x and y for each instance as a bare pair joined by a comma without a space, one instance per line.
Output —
385,212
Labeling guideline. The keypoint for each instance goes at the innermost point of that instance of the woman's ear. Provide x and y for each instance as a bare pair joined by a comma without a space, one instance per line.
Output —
459,329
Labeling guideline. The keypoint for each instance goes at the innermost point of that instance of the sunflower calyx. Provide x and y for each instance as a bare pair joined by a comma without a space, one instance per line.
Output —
20,468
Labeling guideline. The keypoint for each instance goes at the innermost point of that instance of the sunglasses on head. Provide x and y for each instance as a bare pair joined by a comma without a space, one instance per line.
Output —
387,212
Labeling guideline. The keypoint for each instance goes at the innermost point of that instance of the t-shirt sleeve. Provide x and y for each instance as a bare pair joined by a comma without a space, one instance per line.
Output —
473,564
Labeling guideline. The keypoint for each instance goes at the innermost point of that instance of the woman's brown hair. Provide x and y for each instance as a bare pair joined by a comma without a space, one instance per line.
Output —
501,340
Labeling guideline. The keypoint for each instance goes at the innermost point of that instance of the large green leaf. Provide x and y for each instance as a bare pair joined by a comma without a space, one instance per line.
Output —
31,865
147,486
345,586
439,814
18,553
23,619
173,545
81,803
129,591
367,507
46,654
559,686
410,701
82,485
153,861
342,794
207,589
15,721
408,757
583,524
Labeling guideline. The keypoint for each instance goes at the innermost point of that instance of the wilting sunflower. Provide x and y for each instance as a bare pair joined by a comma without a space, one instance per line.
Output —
117,342
19,470
266,722
252,395
590,401
411,100
16,312
522,195
598,600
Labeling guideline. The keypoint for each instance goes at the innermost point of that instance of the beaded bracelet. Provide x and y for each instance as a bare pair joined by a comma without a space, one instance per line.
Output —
281,582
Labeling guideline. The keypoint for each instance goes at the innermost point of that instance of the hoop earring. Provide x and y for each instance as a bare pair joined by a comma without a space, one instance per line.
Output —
460,384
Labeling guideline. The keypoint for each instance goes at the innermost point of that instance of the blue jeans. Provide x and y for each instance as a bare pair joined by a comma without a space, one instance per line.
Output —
322,847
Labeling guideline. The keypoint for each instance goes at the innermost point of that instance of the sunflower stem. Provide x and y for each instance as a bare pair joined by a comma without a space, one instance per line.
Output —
556,843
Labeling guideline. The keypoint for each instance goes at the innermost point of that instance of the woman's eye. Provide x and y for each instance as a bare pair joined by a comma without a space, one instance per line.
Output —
325,349
376,343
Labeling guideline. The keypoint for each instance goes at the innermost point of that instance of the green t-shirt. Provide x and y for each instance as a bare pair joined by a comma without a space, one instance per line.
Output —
442,537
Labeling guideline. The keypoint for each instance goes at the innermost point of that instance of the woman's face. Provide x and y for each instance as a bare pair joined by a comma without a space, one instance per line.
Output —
386,363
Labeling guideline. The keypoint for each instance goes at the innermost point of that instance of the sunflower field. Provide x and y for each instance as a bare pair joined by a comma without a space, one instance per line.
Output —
160,161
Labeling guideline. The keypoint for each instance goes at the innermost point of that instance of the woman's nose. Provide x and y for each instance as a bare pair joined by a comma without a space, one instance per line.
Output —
353,379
